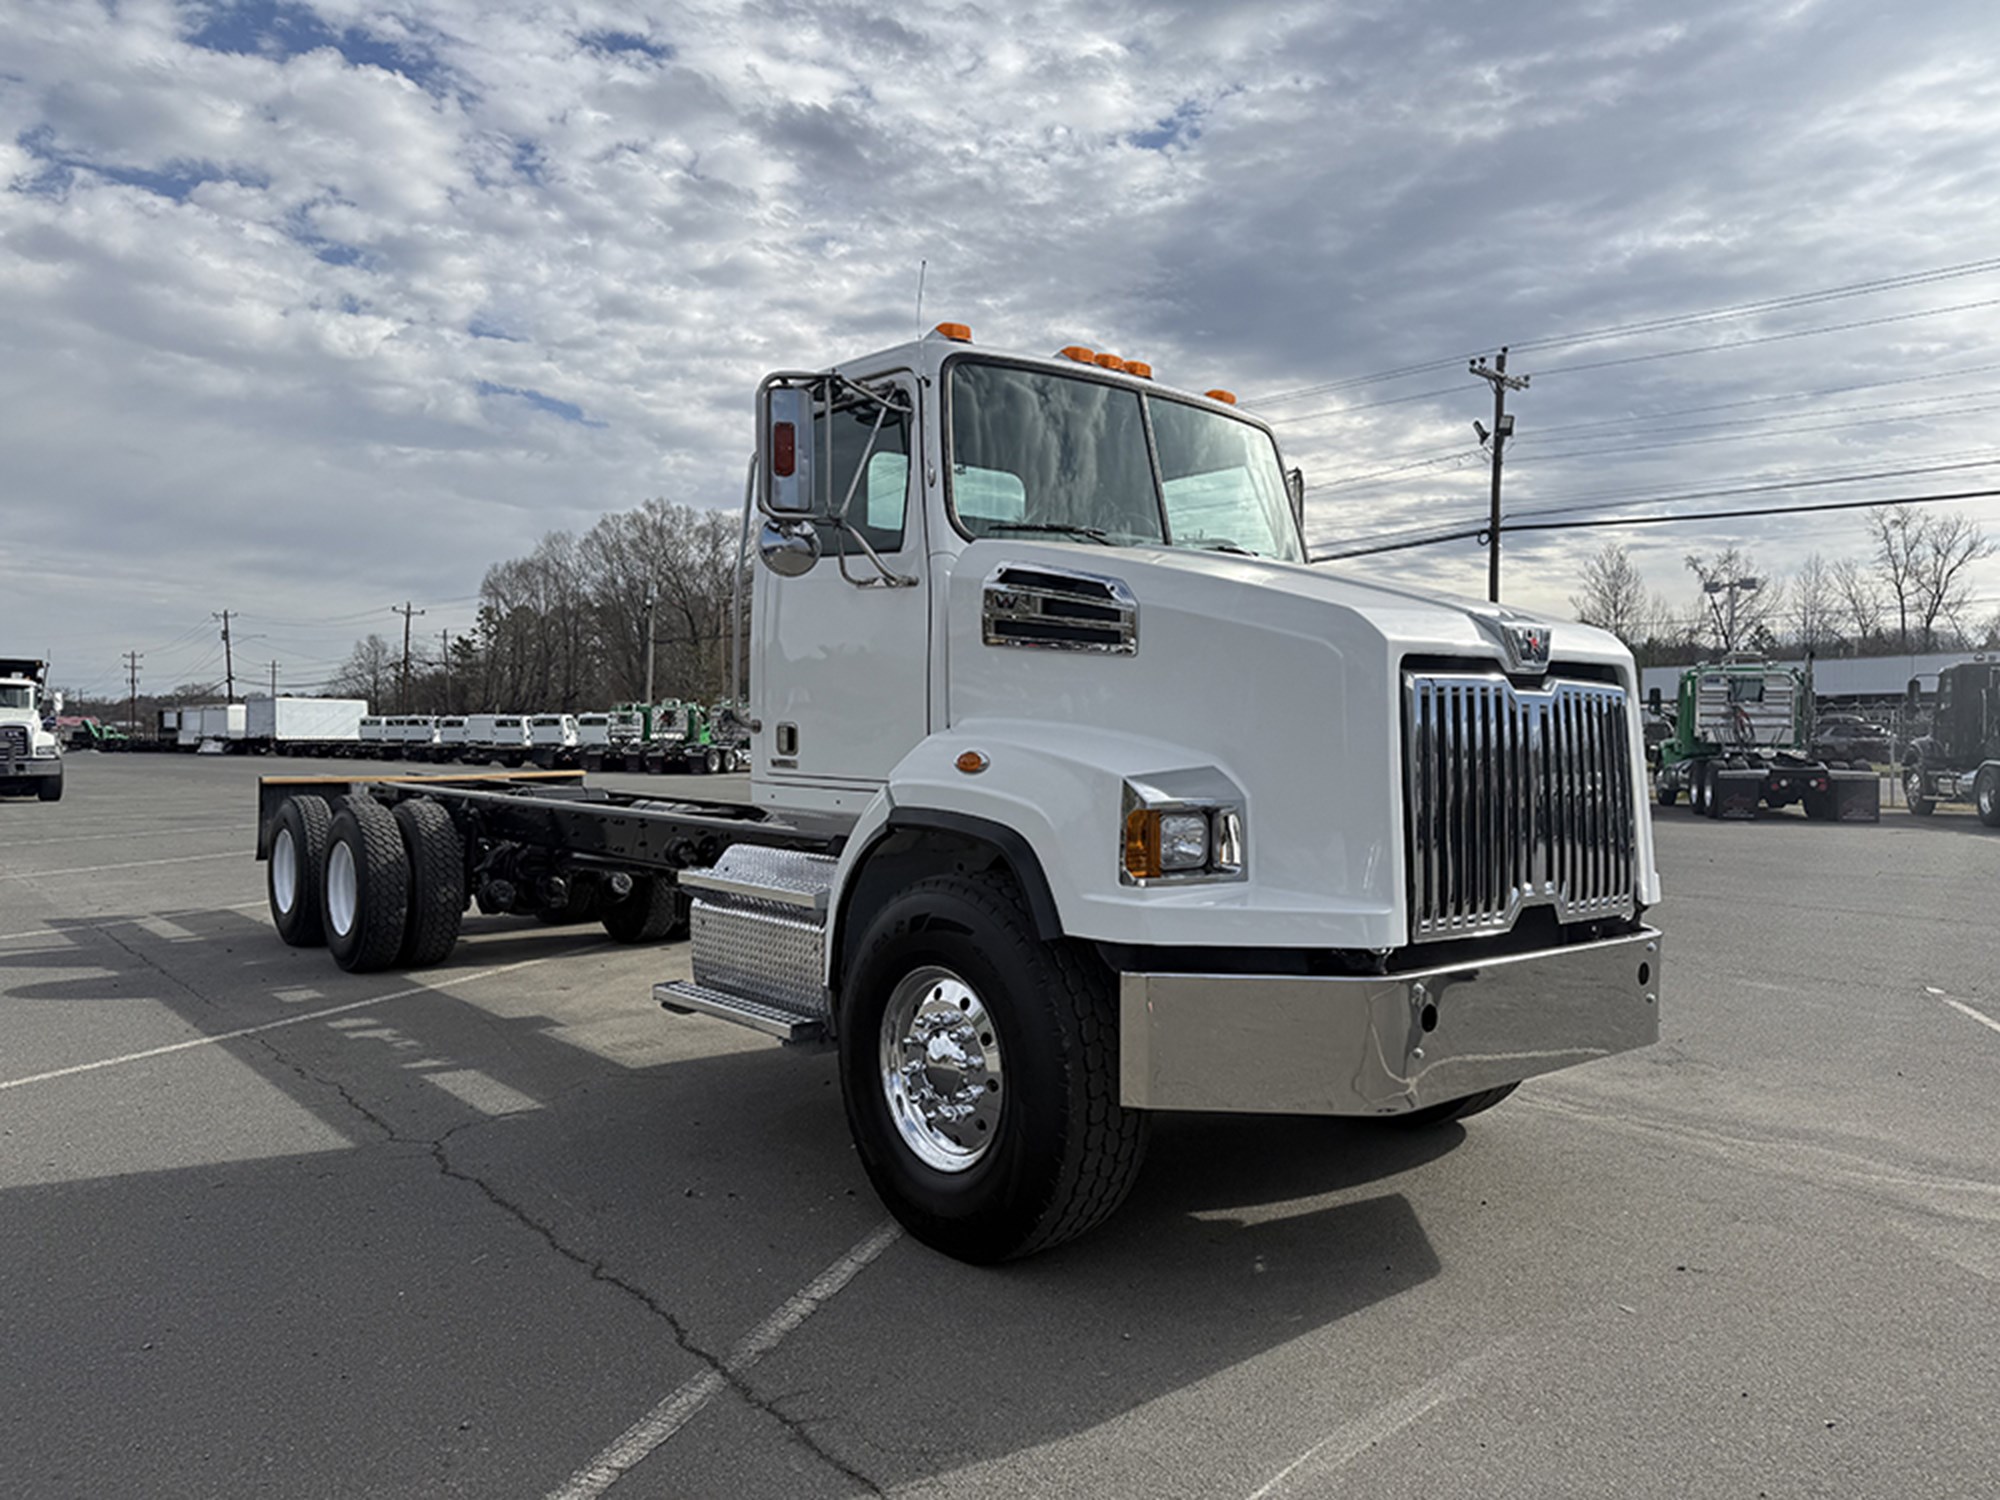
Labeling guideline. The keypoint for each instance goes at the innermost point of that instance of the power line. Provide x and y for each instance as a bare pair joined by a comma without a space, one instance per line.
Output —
1656,325
1478,532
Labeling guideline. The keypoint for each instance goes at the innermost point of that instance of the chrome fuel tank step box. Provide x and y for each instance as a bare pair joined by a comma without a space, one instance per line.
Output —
757,931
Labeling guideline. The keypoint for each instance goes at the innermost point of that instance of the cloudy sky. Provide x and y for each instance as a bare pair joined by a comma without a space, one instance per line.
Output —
312,307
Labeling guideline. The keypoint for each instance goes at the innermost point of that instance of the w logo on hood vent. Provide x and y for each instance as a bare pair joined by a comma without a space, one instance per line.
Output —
1058,610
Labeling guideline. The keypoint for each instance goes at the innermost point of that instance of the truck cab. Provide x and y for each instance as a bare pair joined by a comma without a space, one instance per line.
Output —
1959,758
30,752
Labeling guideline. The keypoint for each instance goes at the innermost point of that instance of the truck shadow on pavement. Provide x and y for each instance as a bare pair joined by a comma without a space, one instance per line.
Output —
505,1234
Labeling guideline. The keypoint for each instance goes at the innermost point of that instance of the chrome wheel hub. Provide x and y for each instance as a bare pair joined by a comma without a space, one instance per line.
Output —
941,1069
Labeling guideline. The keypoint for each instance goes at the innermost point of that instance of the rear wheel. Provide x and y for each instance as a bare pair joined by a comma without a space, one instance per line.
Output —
365,891
1453,1109
979,1067
655,912
293,869
437,881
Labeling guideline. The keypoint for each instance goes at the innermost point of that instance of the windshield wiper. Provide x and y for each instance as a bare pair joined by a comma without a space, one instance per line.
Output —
1216,544
1054,528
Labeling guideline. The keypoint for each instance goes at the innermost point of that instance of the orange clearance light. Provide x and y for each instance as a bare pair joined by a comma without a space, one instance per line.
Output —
1078,353
956,332
1142,843
972,762
1138,367
1109,362
1227,398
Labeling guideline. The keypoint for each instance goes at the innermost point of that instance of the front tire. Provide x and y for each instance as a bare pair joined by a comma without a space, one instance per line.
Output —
365,890
979,1067
1986,796
1921,804
292,871
50,788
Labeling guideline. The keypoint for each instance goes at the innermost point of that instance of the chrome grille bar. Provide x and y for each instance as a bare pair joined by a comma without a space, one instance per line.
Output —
1516,797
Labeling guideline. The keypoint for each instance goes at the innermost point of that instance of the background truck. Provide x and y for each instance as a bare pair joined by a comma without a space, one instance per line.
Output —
1958,760
302,726
992,859
30,756
1739,740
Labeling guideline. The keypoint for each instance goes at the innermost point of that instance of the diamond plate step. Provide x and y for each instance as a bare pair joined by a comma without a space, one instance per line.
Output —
689,998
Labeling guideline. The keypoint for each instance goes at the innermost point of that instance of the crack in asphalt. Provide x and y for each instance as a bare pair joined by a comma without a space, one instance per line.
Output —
595,1269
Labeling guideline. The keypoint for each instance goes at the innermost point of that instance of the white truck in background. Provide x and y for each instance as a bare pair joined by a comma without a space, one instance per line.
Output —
31,759
1008,848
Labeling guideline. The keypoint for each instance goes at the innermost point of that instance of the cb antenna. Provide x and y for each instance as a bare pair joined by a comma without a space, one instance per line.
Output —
922,266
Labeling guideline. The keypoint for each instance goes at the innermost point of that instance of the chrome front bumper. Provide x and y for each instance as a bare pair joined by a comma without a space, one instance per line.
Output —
1381,1044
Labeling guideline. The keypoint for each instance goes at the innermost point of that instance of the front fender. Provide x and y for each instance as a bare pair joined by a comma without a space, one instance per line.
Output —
1060,790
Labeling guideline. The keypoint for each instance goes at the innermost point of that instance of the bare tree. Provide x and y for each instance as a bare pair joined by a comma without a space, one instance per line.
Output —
1815,606
1613,597
366,672
1742,606
1952,543
1860,601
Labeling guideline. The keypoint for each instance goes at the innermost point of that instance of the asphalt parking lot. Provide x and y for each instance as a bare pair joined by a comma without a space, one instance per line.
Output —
503,1228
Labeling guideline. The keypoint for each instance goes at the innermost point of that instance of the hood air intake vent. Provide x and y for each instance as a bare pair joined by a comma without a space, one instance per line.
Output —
1058,610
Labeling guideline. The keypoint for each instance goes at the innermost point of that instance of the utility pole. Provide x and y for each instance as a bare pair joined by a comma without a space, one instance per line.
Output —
228,659
650,600
1503,428
406,611
444,657
274,682
132,660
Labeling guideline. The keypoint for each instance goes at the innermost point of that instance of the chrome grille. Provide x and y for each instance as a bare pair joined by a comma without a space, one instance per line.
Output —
14,741
1516,797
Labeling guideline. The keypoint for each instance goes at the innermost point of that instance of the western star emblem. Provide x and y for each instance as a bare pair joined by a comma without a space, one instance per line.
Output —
1527,645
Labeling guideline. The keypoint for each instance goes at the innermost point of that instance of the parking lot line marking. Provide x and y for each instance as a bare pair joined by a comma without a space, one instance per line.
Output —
137,864
44,932
292,1020
1966,1010
632,1446
1351,1439
138,833
483,1092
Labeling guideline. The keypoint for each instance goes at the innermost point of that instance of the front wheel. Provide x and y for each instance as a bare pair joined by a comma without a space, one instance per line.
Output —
1986,796
1667,792
1914,791
50,788
979,1067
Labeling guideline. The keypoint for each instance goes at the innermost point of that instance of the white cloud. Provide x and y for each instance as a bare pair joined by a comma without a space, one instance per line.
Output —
260,308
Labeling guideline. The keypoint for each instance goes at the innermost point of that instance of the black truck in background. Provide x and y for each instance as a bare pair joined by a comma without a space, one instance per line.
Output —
1959,759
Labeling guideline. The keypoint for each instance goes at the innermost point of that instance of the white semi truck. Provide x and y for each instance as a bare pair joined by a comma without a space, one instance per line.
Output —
30,756
1008,848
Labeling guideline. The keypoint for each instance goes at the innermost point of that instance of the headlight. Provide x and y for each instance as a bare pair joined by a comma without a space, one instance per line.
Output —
45,752
1183,826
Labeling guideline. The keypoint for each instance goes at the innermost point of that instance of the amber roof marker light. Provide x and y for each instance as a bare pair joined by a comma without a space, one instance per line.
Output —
1227,398
958,333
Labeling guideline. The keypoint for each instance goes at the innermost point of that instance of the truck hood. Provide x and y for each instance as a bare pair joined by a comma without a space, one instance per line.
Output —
1286,679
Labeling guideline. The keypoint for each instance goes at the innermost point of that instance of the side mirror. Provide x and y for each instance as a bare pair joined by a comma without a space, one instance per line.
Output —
786,459
788,548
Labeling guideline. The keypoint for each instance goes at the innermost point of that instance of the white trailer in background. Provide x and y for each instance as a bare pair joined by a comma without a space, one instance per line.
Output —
553,738
302,726
450,739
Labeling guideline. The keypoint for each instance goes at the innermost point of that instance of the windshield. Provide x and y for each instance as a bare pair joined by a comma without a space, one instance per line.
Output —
16,695
1033,451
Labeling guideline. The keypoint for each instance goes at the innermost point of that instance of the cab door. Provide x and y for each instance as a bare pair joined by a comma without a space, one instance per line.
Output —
842,686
